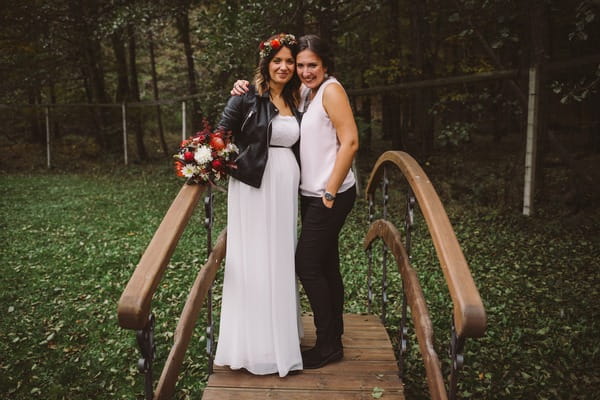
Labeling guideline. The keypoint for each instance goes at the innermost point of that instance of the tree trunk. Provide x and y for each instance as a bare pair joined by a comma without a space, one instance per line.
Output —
35,125
95,73
161,133
91,53
394,53
55,125
135,95
183,26
325,18
420,39
118,43
539,57
299,18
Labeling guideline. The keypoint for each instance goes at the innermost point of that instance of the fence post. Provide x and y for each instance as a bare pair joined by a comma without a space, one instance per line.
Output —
124,115
47,109
531,149
183,121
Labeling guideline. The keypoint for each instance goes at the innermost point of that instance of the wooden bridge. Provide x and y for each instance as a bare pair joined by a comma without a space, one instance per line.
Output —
370,367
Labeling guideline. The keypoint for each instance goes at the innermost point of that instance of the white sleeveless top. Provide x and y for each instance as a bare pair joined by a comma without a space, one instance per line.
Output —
318,145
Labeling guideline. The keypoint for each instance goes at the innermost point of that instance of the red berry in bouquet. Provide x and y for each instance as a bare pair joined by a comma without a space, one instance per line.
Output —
188,156
217,164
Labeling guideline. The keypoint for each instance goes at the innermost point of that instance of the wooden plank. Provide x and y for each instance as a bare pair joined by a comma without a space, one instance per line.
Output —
368,363
242,379
254,394
355,337
387,367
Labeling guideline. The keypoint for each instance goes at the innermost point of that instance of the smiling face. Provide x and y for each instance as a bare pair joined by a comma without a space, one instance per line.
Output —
310,69
282,66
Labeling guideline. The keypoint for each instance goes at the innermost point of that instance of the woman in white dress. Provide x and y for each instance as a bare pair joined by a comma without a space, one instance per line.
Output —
259,329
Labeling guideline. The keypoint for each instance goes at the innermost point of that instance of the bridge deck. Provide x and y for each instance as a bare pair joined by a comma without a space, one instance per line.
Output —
368,363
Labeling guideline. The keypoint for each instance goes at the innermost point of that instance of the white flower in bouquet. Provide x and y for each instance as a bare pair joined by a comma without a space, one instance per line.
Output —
203,155
232,148
189,170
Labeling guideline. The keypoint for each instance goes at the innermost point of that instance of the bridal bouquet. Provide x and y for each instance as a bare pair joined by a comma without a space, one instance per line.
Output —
206,157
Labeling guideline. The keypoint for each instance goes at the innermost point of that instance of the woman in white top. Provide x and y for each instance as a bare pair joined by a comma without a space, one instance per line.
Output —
328,143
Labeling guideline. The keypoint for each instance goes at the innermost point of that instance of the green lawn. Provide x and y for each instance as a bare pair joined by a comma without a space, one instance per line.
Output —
69,243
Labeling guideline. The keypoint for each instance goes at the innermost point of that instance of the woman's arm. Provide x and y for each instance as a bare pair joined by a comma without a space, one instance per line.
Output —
231,119
337,106
240,87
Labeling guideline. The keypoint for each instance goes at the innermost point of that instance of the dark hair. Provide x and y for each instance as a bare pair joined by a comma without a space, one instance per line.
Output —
320,48
290,92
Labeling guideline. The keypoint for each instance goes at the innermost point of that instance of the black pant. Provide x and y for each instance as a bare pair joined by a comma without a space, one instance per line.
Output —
318,262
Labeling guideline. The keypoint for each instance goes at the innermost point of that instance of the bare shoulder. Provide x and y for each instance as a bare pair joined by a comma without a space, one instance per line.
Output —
334,96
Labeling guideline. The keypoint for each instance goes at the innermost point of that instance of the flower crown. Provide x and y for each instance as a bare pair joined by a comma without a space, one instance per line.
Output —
283,39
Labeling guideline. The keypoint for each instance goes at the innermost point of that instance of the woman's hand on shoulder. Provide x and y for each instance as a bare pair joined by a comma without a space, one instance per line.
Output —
240,87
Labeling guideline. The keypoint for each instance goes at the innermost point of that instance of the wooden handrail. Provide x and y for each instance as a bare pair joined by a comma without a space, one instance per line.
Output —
416,301
469,313
134,305
189,316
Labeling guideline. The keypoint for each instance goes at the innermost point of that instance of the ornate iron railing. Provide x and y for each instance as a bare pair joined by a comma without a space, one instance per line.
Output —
469,318
134,309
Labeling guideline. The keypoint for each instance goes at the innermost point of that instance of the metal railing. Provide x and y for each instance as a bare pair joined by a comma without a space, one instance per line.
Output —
469,318
134,309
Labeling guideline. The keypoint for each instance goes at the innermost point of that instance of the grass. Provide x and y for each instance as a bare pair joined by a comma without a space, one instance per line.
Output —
69,243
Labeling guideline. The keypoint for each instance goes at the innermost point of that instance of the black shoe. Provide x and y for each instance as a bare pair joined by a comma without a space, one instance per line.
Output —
317,358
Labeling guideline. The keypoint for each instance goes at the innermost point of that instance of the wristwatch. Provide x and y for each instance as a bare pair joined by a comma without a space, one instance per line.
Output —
329,197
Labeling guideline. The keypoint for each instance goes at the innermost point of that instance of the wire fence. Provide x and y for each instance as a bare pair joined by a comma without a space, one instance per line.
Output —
64,128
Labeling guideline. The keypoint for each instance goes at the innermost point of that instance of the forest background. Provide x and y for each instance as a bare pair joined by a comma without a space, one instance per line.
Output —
68,67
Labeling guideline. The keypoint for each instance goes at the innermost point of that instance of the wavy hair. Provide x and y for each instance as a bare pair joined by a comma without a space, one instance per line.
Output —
290,93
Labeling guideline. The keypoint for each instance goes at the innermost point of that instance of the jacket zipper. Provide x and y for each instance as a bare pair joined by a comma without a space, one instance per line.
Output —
246,120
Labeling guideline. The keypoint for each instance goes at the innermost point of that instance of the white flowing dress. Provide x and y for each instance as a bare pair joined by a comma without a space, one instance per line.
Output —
259,328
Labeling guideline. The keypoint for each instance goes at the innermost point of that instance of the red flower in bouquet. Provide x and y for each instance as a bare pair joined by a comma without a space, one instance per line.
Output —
217,164
217,142
188,156
207,157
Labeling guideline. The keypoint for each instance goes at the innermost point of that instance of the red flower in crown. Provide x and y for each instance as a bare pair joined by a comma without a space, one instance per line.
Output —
275,44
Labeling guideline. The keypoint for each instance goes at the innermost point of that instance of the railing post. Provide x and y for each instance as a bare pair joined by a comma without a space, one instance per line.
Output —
384,284
408,224
370,257
208,223
145,340
456,359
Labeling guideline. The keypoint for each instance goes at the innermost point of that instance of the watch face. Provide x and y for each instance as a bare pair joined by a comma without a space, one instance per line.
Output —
329,196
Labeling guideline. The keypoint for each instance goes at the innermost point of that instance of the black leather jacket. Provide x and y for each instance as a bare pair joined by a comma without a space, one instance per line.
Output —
249,117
